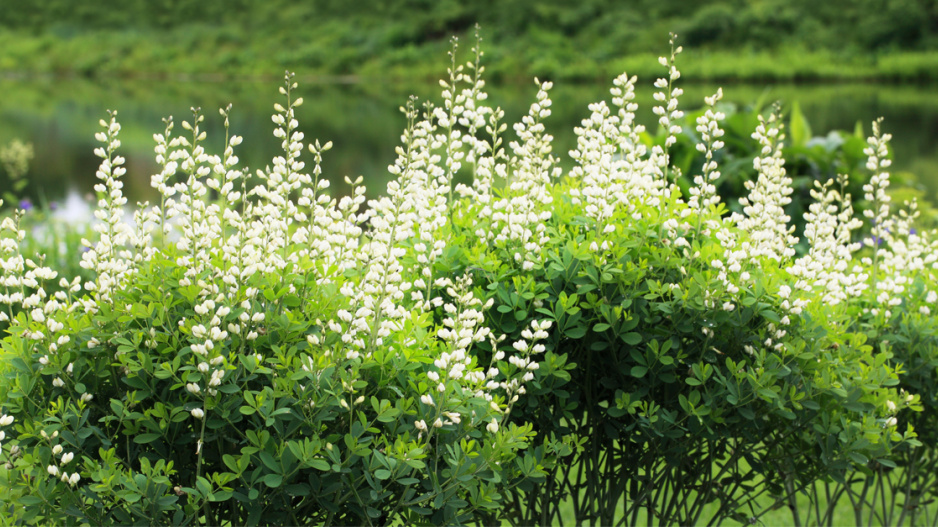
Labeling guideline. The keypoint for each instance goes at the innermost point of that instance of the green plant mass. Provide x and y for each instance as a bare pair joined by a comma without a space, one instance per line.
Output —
495,338
732,39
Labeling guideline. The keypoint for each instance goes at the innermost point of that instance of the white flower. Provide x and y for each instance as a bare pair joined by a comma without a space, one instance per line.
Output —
6,420
198,413
493,426
67,457
57,449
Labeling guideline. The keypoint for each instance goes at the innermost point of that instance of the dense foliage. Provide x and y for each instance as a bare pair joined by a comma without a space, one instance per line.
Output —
253,350
582,40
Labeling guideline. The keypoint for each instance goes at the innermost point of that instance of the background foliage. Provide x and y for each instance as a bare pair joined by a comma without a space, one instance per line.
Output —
762,39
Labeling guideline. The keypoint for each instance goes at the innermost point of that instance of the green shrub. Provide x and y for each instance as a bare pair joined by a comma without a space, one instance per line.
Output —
684,370
458,352
262,368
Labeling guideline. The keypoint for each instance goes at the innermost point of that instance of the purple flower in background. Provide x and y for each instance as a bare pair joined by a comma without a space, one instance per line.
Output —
912,232
54,206
26,204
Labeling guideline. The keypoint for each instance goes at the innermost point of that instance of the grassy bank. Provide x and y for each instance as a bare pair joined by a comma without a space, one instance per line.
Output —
205,52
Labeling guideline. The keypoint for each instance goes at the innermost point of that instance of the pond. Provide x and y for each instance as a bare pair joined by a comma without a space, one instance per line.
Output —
60,118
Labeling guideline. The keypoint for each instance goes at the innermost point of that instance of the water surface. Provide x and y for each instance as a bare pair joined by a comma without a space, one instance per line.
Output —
60,118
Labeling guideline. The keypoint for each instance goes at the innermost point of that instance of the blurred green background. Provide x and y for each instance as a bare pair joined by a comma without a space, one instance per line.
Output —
63,63
586,39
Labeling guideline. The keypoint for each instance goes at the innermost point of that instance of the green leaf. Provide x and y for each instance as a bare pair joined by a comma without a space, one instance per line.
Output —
143,439
798,126
685,404
771,316
297,489
639,371
886,462
382,474
320,464
416,463
231,463
858,458
273,480
632,338
222,495
291,301
204,486
29,501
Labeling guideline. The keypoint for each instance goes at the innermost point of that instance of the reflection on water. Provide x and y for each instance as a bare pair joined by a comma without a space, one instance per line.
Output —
61,117
73,208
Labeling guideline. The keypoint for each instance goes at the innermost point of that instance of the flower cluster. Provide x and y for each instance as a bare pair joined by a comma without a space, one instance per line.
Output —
12,265
457,377
108,257
704,194
827,267
60,460
668,113
764,217
874,191
518,219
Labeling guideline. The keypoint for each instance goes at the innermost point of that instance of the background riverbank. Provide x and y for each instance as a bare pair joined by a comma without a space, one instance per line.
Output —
728,41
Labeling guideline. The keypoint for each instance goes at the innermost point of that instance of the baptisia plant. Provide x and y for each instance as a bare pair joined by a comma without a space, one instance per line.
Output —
263,354
889,295
268,353
689,376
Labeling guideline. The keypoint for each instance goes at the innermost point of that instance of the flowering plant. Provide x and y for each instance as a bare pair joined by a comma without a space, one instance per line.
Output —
695,360
452,352
253,354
